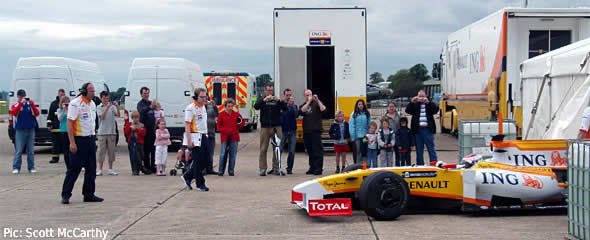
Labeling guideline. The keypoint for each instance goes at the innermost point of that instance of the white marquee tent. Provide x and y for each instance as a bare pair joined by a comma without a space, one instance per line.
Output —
560,80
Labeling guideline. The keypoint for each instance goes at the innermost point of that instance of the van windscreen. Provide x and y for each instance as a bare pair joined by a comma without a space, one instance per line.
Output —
217,93
231,91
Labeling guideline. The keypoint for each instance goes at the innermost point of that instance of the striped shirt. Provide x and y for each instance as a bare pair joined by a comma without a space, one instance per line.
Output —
423,119
196,115
83,113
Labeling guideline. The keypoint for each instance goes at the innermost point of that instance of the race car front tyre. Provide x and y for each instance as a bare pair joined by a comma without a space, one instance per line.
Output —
384,195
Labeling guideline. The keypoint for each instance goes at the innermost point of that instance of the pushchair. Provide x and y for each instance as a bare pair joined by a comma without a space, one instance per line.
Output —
183,161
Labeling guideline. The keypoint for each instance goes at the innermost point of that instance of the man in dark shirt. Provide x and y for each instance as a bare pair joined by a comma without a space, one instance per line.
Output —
289,123
270,122
423,126
146,116
311,111
212,114
53,127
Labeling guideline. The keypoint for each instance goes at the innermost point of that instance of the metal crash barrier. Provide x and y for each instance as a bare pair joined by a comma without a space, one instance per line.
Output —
579,190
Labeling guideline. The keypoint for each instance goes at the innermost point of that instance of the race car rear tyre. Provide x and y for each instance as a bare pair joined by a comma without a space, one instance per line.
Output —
384,195
353,167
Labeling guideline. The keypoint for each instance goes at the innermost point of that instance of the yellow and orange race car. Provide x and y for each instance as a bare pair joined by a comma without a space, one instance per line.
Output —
520,175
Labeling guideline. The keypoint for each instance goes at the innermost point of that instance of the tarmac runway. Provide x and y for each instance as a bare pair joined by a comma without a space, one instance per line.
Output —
245,206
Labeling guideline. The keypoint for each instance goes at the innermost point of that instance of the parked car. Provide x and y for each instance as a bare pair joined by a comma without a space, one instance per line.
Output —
376,92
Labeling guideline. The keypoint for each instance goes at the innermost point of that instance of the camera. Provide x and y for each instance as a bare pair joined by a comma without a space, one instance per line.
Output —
27,99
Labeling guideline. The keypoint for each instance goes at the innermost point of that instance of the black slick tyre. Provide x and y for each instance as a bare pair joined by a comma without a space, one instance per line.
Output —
384,195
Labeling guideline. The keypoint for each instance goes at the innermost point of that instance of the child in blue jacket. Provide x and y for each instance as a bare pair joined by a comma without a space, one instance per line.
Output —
339,132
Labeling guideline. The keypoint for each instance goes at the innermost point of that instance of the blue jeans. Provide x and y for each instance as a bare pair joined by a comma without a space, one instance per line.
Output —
233,149
372,158
289,140
24,137
425,137
132,158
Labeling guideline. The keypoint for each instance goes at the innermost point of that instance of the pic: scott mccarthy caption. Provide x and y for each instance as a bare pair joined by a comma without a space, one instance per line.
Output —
74,233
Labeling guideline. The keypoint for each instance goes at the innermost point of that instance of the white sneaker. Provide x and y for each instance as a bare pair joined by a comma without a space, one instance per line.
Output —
33,170
15,171
98,173
112,172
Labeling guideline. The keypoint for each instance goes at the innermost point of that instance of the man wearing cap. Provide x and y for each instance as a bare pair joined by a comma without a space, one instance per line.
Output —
81,133
195,137
24,112
53,127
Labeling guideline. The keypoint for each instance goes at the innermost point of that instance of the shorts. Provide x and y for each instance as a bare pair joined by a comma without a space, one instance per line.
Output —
341,148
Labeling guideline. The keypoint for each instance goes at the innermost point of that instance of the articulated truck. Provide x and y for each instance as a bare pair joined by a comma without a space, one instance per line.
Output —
325,50
479,67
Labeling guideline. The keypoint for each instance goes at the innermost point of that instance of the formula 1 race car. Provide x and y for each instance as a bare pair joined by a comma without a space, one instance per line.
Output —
520,175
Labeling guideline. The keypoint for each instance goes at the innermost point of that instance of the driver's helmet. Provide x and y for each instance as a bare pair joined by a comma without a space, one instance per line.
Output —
470,160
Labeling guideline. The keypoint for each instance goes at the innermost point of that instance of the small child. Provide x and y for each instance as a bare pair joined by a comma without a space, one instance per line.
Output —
136,133
372,146
339,132
158,112
161,143
404,143
386,139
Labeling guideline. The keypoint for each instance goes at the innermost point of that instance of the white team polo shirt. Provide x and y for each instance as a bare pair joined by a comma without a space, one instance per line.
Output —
196,115
83,113
585,120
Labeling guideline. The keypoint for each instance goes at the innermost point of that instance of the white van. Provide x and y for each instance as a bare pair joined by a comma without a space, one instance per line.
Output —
42,77
171,82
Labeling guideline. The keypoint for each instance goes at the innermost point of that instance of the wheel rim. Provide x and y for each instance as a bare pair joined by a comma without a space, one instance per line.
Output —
389,196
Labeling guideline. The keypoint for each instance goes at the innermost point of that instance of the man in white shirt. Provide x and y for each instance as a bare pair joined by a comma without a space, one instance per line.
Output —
81,126
195,130
584,133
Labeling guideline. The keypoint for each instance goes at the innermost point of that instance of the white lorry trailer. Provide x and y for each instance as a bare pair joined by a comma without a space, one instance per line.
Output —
171,82
325,50
42,77
480,63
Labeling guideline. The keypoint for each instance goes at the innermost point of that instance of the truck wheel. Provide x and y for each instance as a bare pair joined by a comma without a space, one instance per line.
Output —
353,167
384,195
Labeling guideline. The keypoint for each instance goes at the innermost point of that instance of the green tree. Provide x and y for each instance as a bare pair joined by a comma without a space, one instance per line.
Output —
115,96
404,83
420,72
376,77
261,81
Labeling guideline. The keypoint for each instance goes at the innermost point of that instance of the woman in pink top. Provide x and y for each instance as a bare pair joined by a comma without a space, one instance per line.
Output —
161,143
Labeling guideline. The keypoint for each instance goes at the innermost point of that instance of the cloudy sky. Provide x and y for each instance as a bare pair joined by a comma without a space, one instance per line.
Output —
221,34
